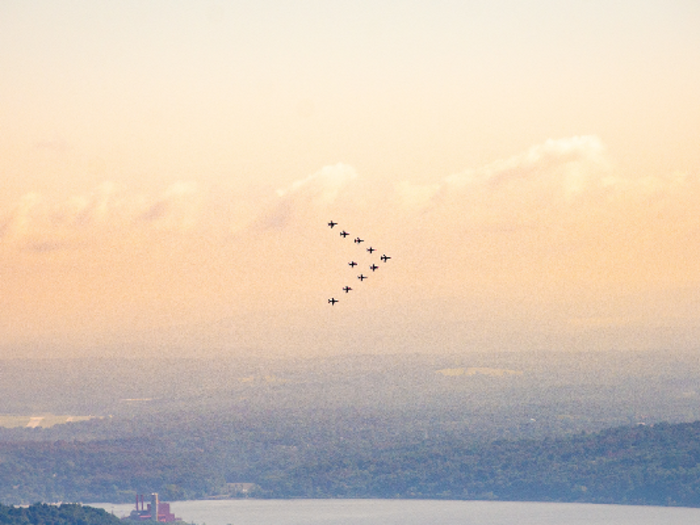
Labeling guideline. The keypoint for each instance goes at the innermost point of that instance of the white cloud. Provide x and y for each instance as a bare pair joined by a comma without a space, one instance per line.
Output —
311,195
40,223
558,191
571,160
552,235
175,210
17,223
551,202
321,188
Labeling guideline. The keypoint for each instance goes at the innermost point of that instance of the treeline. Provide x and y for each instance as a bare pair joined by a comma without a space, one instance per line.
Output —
64,514
111,470
654,464
644,465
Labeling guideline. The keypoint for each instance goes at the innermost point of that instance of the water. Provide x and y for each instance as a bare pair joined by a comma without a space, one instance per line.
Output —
415,512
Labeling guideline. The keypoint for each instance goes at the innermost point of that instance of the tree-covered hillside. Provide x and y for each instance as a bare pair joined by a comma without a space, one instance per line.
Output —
653,464
657,465
507,426
64,514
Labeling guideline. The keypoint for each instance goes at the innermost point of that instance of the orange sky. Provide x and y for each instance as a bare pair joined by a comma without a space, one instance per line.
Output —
167,172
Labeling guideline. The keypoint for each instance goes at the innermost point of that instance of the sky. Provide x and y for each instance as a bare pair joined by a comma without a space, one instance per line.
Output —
168,170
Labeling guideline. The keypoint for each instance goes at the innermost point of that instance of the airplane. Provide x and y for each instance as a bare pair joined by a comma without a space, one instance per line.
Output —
344,234
352,264
371,250
346,289
333,300
373,267
385,258
358,240
362,277
331,224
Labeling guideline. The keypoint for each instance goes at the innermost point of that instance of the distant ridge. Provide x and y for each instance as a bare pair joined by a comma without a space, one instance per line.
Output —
642,465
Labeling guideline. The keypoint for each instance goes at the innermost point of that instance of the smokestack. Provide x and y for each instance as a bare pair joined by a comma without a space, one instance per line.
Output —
154,506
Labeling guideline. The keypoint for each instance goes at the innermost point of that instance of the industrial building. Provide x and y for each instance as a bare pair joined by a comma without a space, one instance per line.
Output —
144,512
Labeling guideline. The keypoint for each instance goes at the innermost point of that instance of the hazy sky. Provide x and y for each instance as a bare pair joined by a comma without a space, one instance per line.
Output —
167,170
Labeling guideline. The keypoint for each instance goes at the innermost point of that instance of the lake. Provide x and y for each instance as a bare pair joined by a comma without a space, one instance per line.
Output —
415,512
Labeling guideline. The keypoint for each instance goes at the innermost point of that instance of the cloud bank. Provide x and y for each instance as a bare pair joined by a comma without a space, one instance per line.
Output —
556,198
38,221
554,236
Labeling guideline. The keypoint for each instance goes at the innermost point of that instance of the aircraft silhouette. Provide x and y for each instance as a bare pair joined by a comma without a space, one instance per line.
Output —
344,234
333,300
373,267
346,289
362,277
352,264
331,224
358,240
385,258
371,250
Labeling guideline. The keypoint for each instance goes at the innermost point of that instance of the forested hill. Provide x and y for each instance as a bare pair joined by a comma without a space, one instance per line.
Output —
653,464
65,514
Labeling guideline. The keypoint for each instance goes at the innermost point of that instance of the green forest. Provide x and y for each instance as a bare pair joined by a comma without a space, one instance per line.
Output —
64,514
642,464
571,427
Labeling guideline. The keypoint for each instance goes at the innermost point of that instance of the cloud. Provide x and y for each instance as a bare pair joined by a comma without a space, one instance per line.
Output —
42,224
559,184
175,210
88,210
556,170
17,223
322,187
558,157
564,192
559,219
553,174
553,238
559,206
309,196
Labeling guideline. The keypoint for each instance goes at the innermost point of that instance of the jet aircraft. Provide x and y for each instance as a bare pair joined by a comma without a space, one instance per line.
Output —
331,224
362,277
385,258
358,240
344,234
352,264
346,289
371,250
333,300
373,267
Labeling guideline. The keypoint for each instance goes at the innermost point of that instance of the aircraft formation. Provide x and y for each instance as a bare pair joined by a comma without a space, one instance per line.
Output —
361,277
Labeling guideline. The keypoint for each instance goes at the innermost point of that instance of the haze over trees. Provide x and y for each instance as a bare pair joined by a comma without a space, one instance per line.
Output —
497,427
